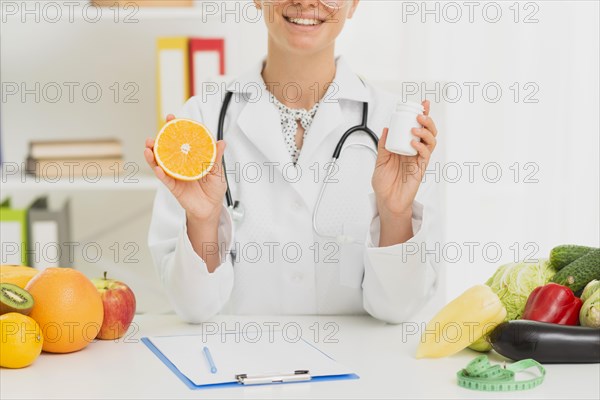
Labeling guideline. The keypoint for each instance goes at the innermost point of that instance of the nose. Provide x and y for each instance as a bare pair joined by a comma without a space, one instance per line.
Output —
307,3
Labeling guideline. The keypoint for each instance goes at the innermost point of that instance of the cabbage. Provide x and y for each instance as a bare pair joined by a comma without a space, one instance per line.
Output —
515,281
590,311
589,289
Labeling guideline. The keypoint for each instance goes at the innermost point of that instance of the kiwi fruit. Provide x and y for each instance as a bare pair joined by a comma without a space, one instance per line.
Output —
14,299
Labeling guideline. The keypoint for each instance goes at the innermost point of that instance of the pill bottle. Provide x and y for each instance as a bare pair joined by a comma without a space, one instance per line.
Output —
399,133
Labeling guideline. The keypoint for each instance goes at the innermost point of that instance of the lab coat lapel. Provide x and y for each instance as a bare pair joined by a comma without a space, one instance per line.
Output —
326,121
330,117
259,118
259,121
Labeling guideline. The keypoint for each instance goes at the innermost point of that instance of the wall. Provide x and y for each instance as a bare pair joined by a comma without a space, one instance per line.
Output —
554,140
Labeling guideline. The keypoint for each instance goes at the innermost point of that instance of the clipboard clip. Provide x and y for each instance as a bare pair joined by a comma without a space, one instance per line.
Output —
297,376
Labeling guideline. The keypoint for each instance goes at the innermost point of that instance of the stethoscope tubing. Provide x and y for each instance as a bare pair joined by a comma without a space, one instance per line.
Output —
222,115
232,205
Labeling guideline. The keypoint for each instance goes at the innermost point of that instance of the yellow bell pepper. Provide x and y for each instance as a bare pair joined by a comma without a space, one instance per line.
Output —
463,321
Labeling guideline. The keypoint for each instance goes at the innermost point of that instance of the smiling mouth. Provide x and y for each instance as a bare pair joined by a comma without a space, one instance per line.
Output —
304,21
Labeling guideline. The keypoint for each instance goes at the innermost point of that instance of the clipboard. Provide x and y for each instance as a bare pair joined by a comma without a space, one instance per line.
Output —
238,364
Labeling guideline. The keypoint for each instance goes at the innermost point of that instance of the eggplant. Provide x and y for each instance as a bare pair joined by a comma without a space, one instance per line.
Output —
546,343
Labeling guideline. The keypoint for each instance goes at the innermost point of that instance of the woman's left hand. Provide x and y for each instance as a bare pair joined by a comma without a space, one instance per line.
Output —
396,178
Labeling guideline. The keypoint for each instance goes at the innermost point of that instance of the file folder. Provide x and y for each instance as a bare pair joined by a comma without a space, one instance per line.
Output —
49,233
207,62
13,234
172,76
272,359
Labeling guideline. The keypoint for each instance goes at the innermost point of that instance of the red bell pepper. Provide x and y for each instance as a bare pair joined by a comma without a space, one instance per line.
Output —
553,303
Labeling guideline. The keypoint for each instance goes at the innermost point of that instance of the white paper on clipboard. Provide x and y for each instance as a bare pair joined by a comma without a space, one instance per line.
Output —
254,353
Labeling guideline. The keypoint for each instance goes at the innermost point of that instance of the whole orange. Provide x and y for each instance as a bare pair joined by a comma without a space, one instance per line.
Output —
68,308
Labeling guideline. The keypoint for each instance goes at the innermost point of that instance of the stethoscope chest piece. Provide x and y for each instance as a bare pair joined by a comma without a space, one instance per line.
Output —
237,212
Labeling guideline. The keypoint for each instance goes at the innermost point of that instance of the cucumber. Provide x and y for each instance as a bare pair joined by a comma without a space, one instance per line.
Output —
581,271
565,254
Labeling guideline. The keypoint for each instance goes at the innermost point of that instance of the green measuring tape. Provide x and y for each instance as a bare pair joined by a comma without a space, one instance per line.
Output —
481,375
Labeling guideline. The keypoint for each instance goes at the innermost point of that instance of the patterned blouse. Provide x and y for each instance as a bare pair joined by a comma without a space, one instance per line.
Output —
289,124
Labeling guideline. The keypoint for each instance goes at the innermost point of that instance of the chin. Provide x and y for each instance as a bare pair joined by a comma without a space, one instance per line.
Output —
304,39
304,46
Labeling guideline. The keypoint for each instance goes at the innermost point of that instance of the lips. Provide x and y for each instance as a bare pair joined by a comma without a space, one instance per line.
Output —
304,21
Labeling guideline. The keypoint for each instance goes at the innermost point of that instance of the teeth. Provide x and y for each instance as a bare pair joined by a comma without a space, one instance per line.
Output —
305,21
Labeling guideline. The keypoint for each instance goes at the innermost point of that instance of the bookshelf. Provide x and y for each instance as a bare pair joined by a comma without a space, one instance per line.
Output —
22,182
153,13
119,58
110,55
174,13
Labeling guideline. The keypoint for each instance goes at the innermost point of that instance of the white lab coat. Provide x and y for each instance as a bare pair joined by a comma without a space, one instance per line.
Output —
283,266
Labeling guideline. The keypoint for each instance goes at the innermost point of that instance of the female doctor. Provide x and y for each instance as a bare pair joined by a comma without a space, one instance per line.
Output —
279,145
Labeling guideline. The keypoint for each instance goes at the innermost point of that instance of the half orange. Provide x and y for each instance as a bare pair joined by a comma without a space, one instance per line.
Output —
185,149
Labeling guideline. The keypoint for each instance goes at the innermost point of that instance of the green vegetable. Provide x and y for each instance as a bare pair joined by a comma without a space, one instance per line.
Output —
565,254
590,289
581,271
590,311
481,345
513,283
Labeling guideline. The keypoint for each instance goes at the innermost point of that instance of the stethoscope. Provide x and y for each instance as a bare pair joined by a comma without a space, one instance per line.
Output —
236,208
237,211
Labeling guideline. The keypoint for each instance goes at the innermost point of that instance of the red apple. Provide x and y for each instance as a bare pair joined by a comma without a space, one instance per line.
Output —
119,307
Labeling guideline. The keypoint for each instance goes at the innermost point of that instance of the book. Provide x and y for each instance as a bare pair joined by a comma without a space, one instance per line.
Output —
172,76
90,168
63,149
207,62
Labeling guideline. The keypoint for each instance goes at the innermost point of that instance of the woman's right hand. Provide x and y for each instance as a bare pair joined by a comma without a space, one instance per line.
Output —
201,199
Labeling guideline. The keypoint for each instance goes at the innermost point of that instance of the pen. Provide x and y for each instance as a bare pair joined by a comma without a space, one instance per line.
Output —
211,363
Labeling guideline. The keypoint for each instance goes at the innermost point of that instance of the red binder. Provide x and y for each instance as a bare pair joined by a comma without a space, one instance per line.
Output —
214,50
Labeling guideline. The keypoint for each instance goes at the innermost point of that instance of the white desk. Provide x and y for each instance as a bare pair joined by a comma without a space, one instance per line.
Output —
386,365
